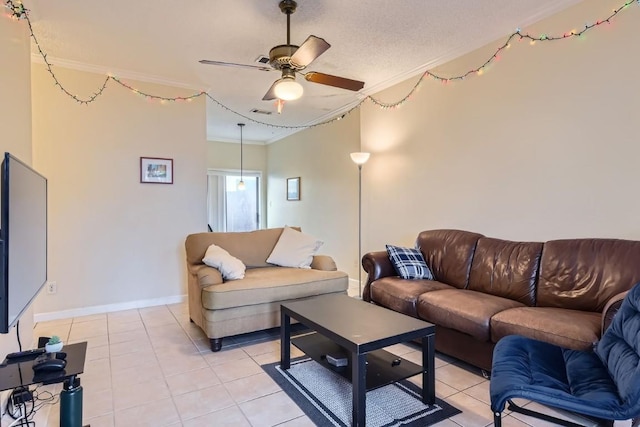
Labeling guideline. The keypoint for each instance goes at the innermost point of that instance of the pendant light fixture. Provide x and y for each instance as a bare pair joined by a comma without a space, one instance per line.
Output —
241,185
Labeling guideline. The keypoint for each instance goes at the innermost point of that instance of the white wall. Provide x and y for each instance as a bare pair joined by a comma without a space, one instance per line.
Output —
226,155
328,203
544,145
114,241
15,128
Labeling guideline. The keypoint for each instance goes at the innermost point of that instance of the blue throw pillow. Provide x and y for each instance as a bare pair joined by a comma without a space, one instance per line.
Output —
409,263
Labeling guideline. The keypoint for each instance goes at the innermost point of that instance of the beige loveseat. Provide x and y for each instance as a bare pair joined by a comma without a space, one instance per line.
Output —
226,308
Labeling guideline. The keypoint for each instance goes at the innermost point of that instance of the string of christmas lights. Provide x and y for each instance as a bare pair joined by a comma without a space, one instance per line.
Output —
156,97
164,99
335,119
496,55
18,11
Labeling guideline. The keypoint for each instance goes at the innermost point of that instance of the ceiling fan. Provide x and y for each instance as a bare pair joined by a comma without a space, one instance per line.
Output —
291,59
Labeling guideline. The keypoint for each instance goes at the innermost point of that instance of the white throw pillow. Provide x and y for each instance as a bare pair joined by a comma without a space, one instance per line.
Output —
294,249
230,267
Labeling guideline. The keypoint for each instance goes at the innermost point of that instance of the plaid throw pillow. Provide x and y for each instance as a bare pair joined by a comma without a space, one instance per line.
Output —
409,263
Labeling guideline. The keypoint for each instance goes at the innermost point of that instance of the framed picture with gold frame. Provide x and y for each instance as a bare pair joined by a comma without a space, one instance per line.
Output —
293,188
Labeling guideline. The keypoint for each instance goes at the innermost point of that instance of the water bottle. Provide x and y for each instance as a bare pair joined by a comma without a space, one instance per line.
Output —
71,403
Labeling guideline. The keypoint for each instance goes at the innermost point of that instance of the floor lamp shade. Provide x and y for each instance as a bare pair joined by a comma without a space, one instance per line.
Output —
360,159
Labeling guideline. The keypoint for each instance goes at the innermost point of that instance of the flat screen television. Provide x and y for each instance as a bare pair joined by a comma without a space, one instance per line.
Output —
23,238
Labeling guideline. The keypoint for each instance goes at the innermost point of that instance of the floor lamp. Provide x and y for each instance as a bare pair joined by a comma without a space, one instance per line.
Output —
360,159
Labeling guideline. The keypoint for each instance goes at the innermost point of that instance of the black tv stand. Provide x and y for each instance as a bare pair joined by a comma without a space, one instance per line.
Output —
18,372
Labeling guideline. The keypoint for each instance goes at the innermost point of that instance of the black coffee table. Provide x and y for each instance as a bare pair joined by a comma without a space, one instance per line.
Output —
359,330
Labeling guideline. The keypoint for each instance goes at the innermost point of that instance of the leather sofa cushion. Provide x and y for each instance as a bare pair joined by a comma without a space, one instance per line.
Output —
270,284
506,269
572,329
448,254
401,295
466,311
583,274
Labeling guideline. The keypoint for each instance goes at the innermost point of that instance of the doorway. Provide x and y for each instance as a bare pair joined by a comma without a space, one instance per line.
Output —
229,208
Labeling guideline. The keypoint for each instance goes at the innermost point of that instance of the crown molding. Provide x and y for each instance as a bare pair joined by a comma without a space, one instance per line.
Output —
107,71
235,141
466,49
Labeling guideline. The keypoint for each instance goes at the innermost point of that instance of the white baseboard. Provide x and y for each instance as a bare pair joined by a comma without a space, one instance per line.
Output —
108,308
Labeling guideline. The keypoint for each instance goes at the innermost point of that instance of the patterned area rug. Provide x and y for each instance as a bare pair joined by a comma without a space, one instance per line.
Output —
325,397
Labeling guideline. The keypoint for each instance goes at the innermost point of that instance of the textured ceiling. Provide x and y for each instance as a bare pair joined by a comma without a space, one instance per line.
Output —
378,42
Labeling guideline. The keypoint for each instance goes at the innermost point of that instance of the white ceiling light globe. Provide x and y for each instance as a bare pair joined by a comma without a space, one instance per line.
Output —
288,90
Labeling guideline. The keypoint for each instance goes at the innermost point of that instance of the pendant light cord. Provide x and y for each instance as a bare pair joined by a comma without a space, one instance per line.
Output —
241,151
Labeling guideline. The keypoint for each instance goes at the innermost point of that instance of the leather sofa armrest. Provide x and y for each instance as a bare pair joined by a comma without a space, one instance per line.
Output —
377,265
323,262
610,310
208,276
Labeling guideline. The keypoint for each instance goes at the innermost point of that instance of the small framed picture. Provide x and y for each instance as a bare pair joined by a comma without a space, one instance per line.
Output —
293,188
155,170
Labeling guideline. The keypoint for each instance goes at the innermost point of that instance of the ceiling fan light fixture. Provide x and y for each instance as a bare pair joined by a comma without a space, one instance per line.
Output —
288,89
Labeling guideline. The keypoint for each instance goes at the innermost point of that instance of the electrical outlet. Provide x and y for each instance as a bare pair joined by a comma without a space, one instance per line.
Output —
52,287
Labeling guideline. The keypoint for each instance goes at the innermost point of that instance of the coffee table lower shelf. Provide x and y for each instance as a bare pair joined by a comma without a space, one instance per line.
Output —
382,367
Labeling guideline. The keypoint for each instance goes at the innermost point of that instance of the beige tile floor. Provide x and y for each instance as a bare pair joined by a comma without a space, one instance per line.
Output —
152,367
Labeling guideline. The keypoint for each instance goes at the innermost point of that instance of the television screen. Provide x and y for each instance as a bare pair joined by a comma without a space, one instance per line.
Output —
23,233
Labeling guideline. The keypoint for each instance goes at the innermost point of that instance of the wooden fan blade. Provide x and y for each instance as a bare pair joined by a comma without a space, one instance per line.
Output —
329,80
309,50
232,64
271,93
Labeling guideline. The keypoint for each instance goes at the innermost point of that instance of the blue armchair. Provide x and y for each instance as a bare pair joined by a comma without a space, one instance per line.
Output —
603,384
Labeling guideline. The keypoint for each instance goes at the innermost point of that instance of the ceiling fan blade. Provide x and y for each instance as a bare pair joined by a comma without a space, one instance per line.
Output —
232,64
309,50
329,80
271,93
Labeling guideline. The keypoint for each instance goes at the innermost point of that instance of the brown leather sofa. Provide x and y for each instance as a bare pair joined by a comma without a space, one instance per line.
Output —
561,291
